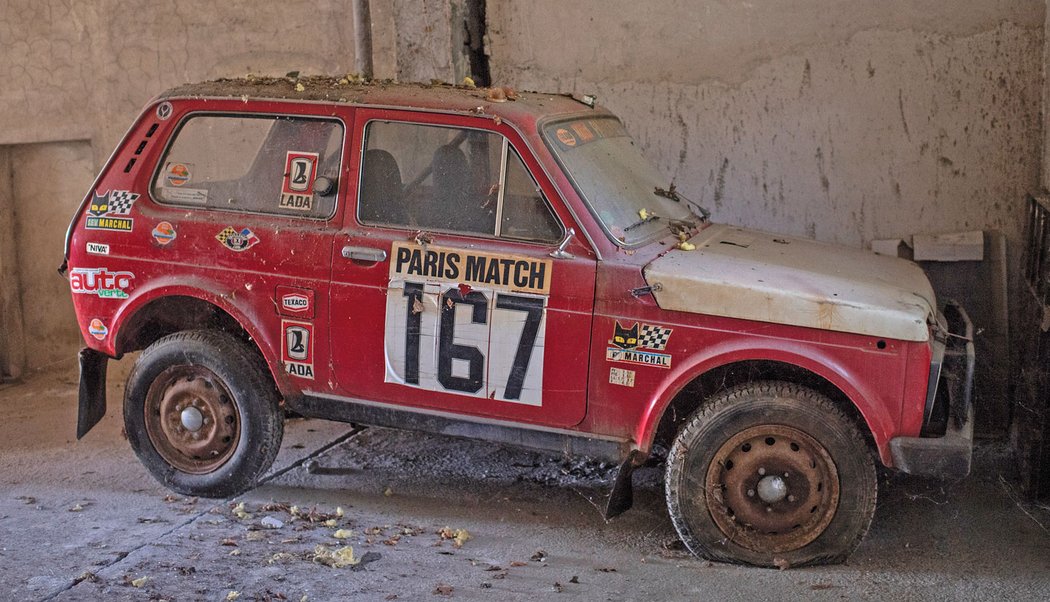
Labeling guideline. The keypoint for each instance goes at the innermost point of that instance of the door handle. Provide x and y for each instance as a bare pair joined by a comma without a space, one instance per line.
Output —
364,254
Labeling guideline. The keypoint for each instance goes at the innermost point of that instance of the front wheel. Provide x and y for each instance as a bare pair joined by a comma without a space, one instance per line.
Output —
771,474
202,414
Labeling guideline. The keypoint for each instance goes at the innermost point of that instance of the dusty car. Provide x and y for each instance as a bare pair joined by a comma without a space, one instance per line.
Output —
507,267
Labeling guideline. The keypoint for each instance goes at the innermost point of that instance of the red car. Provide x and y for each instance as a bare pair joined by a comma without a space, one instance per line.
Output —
505,267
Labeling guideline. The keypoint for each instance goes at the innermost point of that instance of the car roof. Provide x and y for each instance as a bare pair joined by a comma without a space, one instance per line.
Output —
525,106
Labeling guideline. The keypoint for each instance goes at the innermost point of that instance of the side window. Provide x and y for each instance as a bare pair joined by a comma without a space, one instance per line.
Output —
452,180
275,165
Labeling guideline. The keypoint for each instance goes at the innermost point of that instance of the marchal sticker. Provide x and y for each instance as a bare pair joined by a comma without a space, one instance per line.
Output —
298,349
98,329
164,233
639,344
97,248
106,211
237,240
100,282
297,188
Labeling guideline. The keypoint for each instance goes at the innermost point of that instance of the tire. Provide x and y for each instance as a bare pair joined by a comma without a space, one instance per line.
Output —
805,484
202,413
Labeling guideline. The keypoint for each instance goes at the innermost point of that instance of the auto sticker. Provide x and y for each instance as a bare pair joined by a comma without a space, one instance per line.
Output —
178,174
237,240
298,348
164,233
97,248
297,188
467,322
98,329
100,282
107,211
639,344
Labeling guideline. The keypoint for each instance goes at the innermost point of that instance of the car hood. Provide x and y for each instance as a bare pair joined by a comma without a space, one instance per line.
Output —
752,275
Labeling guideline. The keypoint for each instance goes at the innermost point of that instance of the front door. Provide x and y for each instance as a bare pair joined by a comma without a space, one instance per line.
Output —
445,295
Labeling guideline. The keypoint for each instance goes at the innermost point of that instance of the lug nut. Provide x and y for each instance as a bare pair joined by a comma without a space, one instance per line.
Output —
750,493
761,471
769,508
791,498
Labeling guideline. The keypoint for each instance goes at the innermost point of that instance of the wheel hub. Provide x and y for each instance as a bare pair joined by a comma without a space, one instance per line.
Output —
772,488
191,419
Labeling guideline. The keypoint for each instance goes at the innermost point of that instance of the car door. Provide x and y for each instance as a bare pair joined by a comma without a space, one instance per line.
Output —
445,294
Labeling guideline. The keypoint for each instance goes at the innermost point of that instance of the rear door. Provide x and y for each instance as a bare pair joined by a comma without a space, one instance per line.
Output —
445,294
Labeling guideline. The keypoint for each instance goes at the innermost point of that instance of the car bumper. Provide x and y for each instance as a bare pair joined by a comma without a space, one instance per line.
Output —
948,455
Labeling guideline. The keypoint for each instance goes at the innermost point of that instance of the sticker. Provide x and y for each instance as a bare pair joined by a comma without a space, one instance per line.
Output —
295,303
298,349
627,345
471,268
178,174
297,188
97,248
106,209
238,241
164,110
164,233
565,137
583,132
194,196
97,329
619,376
100,282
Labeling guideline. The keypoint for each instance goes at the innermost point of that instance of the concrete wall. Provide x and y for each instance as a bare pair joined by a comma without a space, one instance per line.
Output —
845,121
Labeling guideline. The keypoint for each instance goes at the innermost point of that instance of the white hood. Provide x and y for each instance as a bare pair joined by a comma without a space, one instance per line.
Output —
752,275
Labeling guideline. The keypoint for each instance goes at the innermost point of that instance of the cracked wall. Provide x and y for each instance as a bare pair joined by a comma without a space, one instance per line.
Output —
845,122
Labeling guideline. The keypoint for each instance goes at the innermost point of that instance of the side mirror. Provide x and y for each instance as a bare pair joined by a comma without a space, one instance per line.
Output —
560,252
324,186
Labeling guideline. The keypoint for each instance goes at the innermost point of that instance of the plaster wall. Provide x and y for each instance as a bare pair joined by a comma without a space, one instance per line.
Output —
845,121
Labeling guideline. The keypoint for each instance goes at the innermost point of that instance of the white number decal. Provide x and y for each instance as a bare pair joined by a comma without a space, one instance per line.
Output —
475,342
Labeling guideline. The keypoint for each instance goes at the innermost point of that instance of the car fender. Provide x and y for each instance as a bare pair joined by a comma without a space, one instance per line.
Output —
879,420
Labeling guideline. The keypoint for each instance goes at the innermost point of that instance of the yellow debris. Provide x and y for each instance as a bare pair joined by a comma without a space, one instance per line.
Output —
643,213
343,534
469,82
330,522
461,537
339,511
686,246
233,595
300,88
388,492
140,581
335,558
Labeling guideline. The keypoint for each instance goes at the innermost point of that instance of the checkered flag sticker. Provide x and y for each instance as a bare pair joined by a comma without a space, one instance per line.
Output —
654,337
226,233
120,202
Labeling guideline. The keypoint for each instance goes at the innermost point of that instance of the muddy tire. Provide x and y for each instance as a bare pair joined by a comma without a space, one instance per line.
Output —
771,474
202,413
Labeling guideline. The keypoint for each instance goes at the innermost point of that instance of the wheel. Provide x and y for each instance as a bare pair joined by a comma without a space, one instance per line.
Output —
202,414
771,474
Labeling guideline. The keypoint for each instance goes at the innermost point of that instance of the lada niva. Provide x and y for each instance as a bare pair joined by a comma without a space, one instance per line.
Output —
507,267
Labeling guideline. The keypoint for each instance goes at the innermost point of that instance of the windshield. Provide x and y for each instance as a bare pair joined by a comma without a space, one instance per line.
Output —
615,180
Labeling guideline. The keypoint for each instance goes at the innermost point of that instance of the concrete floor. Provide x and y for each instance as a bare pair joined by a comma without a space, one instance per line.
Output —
83,521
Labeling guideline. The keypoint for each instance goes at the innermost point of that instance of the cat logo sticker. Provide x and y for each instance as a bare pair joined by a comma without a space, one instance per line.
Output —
297,189
298,349
639,344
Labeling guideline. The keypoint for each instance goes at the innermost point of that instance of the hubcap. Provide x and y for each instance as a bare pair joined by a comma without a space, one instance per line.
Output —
772,488
191,419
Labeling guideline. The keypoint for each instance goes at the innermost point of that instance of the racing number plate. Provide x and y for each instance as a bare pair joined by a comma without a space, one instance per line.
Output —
467,322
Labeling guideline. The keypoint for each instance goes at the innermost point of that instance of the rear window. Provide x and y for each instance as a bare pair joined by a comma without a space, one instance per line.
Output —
260,164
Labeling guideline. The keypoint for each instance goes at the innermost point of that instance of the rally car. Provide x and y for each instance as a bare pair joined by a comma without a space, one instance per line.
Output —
502,266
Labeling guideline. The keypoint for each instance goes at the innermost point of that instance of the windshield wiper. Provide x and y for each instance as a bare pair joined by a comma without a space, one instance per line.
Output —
641,222
672,193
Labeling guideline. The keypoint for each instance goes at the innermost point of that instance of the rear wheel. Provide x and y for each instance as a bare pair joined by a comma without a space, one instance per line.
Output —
202,414
771,474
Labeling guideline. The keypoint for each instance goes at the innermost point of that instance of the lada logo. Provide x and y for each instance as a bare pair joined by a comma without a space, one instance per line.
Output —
100,282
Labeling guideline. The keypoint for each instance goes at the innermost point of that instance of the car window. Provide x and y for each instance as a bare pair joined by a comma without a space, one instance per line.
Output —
452,180
259,164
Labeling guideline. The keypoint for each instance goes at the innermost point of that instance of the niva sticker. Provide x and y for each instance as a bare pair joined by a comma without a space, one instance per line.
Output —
107,211
639,345
298,349
100,282
97,248
237,240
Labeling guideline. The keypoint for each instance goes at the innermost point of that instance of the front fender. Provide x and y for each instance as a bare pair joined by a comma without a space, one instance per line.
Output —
876,413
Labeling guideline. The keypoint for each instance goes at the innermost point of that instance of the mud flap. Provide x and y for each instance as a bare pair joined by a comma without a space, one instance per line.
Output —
92,390
621,497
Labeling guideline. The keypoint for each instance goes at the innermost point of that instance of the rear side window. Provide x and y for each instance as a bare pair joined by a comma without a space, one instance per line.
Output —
452,180
275,165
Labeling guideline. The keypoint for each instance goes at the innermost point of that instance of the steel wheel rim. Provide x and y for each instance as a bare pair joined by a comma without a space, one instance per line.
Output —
191,419
772,488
